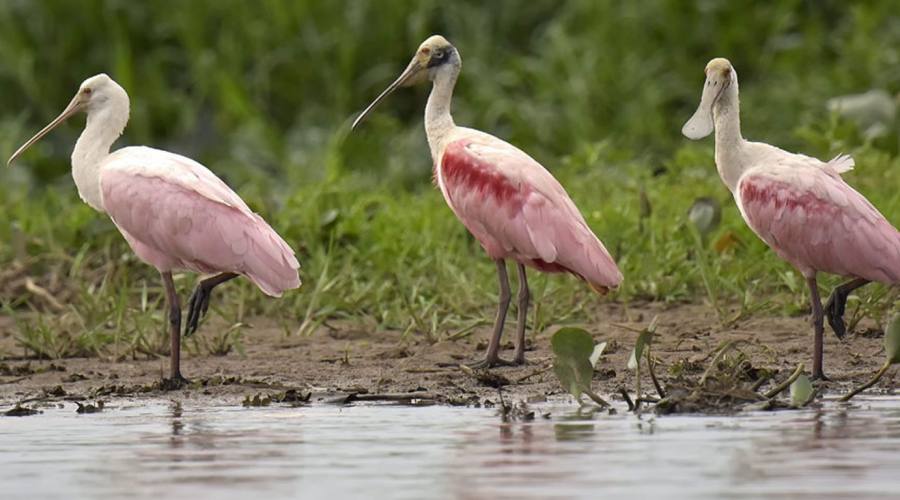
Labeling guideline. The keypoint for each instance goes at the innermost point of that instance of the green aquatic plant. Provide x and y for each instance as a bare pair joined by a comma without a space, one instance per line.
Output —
891,352
802,392
575,356
642,350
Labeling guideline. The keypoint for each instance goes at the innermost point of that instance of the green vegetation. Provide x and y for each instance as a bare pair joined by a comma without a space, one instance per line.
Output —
263,92
575,357
891,351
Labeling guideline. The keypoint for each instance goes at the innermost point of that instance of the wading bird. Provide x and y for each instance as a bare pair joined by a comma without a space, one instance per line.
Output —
174,213
506,199
798,205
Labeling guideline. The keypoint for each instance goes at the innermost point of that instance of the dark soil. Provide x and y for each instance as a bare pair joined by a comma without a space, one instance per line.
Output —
343,365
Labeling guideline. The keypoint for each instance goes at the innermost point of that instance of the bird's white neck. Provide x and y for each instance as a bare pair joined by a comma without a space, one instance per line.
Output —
438,122
729,142
105,124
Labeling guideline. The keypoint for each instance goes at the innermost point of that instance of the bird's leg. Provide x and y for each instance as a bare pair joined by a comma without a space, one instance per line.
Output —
492,358
176,380
837,302
818,321
524,296
199,303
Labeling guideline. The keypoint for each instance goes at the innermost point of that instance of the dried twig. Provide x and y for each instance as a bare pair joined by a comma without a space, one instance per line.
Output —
42,293
868,384
787,383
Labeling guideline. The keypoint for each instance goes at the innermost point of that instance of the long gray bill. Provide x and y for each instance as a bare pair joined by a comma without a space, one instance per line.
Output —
701,124
74,106
404,77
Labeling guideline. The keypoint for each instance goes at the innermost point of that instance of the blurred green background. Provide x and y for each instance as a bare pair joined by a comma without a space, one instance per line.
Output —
263,92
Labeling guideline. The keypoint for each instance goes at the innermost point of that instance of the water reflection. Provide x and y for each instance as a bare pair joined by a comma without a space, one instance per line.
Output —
172,449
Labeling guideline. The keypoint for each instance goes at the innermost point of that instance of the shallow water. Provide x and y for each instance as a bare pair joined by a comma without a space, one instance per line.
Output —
168,450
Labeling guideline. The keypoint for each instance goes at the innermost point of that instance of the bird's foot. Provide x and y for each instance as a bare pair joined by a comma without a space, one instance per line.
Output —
834,313
197,307
820,377
174,384
490,363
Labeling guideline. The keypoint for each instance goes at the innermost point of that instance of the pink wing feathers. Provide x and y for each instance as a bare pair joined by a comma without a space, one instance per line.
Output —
817,222
517,210
176,214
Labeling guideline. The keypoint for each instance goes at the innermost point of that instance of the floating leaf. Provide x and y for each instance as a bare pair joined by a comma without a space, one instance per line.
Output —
598,351
892,340
705,214
801,391
573,348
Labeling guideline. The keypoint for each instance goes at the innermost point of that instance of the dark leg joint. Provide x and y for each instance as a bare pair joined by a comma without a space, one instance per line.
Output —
837,303
198,305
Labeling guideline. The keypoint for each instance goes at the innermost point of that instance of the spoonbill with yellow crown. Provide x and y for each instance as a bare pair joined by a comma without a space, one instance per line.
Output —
798,205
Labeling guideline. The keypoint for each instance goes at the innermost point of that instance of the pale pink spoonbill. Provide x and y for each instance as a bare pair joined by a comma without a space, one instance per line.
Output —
507,200
174,213
800,206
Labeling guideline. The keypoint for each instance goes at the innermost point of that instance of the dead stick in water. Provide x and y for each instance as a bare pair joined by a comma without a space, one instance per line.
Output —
595,398
787,383
870,383
627,398
722,350
532,374
659,389
759,383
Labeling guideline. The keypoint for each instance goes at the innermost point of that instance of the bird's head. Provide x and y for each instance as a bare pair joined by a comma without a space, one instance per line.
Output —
434,57
97,93
720,76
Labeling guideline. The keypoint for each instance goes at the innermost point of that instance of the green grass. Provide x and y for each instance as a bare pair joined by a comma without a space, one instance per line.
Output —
262,93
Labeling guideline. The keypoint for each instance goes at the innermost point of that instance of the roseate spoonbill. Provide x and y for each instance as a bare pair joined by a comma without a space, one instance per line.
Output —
174,213
507,200
800,206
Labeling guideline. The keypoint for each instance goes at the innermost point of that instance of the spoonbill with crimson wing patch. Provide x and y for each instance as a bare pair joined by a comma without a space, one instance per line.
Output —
507,200
800,206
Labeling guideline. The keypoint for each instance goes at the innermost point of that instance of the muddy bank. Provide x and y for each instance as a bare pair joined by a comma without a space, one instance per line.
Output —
336,362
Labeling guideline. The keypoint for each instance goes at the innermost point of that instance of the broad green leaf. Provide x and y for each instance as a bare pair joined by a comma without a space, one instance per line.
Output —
598,351
892,340
705,214
573,348
801,391
643,341
571,341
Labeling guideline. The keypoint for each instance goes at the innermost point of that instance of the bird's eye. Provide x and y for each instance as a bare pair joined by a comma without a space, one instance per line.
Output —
86,91
438,54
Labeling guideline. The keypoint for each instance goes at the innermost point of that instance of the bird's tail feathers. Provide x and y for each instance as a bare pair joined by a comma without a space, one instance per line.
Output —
842,163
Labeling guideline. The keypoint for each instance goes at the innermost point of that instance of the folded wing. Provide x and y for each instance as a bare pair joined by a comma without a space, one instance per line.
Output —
816,221
176,214
516,209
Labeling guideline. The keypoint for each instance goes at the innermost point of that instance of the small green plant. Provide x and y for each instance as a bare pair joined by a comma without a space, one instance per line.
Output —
705,215
891,351
573,364
802,392
642,349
